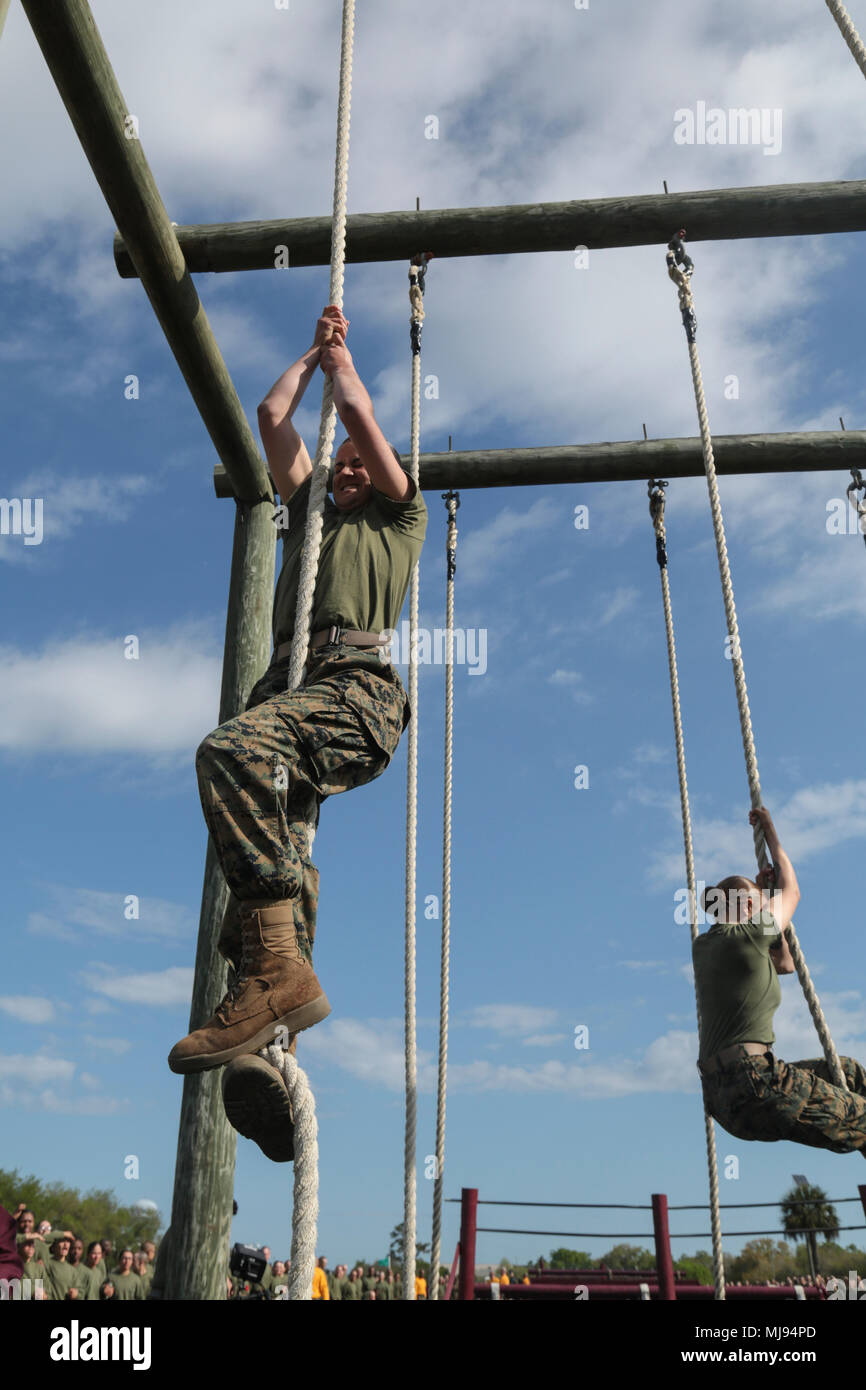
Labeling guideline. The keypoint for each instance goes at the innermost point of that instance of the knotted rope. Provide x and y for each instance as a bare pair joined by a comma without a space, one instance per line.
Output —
657,512
305,1209
452,502
306,1190
680,269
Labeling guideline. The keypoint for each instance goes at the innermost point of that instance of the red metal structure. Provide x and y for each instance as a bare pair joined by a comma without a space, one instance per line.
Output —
468,1224
664,1261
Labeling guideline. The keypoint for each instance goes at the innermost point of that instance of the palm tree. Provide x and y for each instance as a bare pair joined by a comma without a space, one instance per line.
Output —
806,1211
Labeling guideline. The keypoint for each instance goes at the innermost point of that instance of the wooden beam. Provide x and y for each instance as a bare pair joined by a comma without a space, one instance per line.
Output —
713,214
632,461
71,44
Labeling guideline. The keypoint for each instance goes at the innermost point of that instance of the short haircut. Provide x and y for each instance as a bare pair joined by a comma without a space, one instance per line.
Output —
730,894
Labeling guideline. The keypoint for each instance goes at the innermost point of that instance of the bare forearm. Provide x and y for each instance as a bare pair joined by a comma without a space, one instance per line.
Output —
350,394
286,394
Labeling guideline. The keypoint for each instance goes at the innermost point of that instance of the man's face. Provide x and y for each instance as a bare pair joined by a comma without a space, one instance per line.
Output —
352,485
77,1249
44,1227
62,1247
149,1250
126,1261
28,1250
107,1246
25,1221
266,1251
95,1256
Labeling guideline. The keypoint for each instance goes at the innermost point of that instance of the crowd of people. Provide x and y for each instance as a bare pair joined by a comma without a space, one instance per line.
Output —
368,1283
60,1269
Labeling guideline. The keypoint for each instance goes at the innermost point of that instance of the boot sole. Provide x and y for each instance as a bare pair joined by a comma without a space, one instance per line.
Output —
295,1022
257,1105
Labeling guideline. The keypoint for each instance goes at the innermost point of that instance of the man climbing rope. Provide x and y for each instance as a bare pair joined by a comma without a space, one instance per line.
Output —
263,774
750,1091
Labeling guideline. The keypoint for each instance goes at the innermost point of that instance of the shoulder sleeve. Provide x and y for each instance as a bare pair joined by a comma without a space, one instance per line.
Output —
409,516
763,927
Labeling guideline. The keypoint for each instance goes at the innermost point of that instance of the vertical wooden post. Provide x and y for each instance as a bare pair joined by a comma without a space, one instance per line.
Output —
861,1188
201,1214
468,1221
664,1262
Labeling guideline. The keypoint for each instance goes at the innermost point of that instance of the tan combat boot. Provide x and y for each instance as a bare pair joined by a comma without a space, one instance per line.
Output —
255,1097
276,989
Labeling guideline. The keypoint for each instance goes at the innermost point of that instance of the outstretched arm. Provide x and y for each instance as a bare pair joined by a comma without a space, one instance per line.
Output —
356,412
285,450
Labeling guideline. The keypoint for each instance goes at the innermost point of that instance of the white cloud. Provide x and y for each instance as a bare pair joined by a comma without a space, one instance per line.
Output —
35,1069
95,911
510,1018
159,988
27,1008
813,819
544,1039
82,696
116,1046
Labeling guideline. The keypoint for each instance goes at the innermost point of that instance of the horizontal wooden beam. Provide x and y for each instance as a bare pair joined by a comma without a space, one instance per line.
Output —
713,214
72,47
633,461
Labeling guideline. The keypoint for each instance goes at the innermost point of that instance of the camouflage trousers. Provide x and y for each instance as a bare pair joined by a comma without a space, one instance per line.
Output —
764,1098
263,775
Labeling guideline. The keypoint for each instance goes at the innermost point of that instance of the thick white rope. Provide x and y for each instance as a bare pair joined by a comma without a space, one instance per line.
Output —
305,1208
445,958
657,513
849,33
306,1194
410,1183
682,278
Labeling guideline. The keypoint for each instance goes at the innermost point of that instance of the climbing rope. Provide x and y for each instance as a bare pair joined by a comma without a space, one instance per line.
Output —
452,502
305,1208
417,274
680,269
657,512
306,1165
858,503
849,33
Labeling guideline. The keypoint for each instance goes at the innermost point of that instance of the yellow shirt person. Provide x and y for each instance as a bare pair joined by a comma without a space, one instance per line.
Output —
420,1286
320,1283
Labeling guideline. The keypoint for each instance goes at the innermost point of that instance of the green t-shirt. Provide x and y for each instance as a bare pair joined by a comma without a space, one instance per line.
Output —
353,1290
737,986
126,1286
366,561
59,1279
89,1281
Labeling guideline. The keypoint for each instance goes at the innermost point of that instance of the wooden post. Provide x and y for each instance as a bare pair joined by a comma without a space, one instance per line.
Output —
634,461
713,214
204,1173
67,34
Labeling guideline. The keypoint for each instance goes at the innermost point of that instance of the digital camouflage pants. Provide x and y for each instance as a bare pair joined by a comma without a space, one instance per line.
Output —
263,775
764,1098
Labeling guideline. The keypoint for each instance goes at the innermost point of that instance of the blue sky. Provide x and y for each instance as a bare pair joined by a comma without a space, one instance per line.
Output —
563,908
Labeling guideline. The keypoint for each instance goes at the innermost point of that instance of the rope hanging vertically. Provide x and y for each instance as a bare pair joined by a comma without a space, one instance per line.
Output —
305,1208
657,512
680,268
452,502
417,273
848,32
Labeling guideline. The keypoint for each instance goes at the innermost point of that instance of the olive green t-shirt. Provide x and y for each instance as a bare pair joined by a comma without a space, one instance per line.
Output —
366,561
737,986
126,1286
